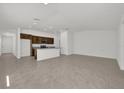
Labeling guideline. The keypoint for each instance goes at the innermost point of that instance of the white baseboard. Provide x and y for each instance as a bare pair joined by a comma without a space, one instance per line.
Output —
96,55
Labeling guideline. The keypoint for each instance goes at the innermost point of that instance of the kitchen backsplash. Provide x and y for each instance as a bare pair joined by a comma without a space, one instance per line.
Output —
38,45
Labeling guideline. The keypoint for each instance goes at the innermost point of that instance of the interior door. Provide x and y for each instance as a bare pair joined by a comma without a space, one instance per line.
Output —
7,44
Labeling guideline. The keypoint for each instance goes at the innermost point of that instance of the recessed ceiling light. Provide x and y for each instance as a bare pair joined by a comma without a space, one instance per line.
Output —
34,23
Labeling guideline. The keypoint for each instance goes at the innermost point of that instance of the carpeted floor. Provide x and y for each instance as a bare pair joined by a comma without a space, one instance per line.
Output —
65,72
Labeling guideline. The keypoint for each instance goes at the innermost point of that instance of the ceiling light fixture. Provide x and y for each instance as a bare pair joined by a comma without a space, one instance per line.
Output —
36,19
45,3
35,23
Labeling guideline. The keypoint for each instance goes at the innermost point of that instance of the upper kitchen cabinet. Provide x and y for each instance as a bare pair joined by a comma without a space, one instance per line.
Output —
36,40
42,40
50,40
25,36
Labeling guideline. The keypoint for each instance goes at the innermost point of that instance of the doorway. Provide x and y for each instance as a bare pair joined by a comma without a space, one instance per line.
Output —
7,44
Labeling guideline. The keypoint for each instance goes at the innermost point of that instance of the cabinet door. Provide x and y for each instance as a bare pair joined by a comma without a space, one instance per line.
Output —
25,36
43,40
32,51
50,41
34,39
39,40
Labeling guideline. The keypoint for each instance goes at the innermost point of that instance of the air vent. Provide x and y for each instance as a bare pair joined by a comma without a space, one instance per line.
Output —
36,19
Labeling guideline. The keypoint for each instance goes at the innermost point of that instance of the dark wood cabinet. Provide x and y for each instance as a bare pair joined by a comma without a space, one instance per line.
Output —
37,39
32,52
50,40
25,36
42,40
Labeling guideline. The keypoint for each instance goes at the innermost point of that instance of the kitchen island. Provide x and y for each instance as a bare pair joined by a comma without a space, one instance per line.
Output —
46,53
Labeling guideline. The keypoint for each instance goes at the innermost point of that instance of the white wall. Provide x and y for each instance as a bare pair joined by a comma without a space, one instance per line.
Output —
95,43
14,44
121,47
18,44
66,42
70,42
0,45
57,39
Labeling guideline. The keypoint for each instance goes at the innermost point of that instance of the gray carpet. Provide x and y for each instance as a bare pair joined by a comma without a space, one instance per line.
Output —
65,72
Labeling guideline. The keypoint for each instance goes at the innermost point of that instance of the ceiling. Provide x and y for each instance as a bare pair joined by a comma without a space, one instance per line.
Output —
54,17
